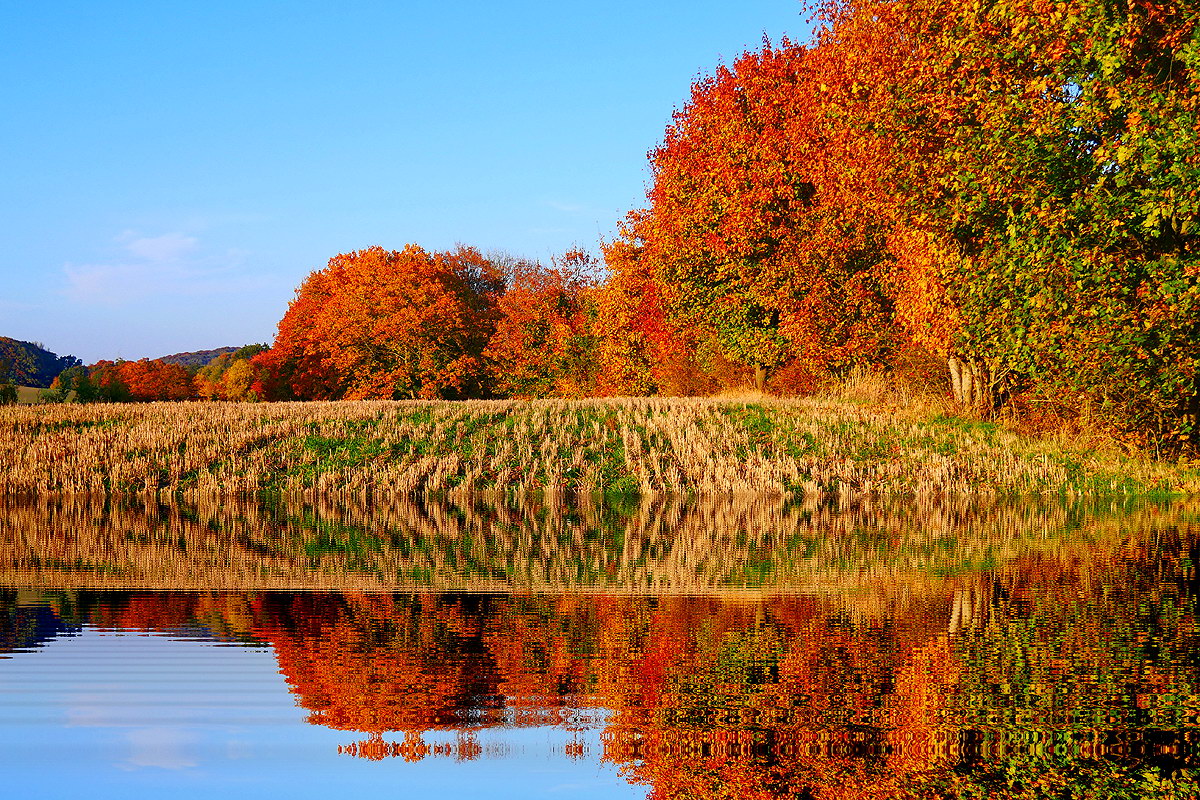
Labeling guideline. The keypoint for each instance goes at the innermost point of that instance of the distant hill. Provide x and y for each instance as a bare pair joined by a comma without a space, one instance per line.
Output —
200,358
197,359
30,363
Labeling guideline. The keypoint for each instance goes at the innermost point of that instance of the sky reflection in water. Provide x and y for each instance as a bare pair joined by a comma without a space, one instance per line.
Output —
945,650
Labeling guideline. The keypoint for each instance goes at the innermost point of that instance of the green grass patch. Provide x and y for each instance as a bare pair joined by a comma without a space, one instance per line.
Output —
615,478
40,428
988,429
338,452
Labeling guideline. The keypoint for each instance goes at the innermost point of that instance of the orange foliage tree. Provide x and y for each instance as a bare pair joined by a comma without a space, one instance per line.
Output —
1048,155
157,380
144,380
543,341
754,228
389,325
641,346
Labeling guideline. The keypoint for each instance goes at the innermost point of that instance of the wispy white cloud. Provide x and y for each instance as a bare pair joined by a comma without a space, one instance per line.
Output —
168,247
162,747
170,264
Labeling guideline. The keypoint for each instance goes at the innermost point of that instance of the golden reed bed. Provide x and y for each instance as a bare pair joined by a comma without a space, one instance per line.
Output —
803,447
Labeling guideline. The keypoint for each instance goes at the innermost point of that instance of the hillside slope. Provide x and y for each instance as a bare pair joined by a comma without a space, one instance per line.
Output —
197,358
30,363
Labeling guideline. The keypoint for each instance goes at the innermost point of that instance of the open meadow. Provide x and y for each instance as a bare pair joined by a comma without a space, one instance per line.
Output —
800,447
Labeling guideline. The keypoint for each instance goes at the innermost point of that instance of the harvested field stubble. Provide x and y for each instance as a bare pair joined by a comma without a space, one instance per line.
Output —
800,447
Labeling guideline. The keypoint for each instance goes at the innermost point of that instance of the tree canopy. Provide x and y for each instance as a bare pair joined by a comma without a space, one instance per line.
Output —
390,324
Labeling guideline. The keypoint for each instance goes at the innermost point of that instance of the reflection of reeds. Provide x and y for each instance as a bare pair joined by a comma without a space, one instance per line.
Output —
656,544
652,446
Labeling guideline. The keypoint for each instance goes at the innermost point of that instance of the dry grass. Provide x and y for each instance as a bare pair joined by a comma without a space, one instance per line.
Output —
874,549
803,448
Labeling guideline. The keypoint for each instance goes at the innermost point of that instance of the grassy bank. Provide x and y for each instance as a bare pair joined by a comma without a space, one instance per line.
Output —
802,447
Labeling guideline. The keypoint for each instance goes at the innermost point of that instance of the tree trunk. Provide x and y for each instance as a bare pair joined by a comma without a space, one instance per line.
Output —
970,382
980,389
760,377
956,379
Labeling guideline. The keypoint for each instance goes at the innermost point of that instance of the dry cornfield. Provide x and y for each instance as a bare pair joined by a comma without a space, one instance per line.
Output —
802,447
649,446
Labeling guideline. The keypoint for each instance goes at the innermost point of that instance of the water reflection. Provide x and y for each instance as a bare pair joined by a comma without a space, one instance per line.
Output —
1002,651
26,622
657,545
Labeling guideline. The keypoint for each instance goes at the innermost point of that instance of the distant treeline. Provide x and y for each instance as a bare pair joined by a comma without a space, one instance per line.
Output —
182,376
196,359
228,376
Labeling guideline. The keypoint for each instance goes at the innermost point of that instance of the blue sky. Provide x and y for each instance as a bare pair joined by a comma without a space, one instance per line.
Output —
172,171
122,714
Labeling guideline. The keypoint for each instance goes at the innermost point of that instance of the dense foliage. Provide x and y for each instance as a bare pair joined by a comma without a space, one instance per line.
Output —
234,374
124,381
30,364
544,334
389,325
1051,148
1010,185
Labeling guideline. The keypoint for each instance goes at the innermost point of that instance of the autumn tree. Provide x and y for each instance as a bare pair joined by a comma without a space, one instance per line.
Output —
231,376
148,380
1076,196
109,384
747,230
1056,178
123,381
237,381
642,347
299,364
543,343
390,324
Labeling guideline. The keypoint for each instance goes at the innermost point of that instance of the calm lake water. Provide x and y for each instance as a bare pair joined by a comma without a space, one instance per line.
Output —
673,649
